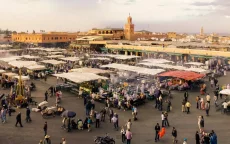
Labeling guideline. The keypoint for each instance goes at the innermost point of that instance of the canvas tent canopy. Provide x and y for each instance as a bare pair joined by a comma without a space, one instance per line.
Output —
121,57
165,66
55,53
158,61
31,57
21,64
100,58
36,67
24,78
9,59
186,75
55,56
73,59
2,71
198,70
10,74
225,92
139,70
53,62
195,63
77,77
90,70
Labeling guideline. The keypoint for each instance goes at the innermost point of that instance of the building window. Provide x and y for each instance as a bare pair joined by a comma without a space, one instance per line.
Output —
102,32
99,32
107,32
52,38
60,37
44,38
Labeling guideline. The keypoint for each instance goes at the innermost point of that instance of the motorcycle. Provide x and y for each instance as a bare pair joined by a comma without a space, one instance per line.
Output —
104,140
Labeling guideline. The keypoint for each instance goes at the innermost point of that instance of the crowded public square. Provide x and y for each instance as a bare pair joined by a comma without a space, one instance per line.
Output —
54,96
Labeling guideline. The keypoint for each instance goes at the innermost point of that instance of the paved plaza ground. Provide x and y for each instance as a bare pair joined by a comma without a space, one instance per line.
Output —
143,129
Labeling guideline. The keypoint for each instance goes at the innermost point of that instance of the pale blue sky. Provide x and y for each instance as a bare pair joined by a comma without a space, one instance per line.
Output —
153,15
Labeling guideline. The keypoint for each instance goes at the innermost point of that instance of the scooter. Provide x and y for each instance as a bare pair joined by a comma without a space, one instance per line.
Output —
104,140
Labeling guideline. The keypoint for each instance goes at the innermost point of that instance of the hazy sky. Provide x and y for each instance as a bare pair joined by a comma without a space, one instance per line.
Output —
153,15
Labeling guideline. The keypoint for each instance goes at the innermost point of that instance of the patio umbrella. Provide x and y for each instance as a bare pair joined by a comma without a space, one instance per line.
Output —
68,114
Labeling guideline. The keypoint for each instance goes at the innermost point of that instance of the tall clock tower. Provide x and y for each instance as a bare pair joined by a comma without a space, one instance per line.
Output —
129,29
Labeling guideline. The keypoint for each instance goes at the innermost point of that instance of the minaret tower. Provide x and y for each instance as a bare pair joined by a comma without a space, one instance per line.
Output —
202,31
129,29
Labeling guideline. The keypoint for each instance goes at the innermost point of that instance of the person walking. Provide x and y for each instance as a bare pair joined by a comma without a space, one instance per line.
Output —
157,130
208,98
213,139
110,114
197,137
174,135
98,118
201,124
166,122
186,96
128,124
225,106
169,105
45,128
114,120
197,102
122,134
128,136
183,106
207,108
3,115
18,119
188,105
134,113
46,96
28,119
162,119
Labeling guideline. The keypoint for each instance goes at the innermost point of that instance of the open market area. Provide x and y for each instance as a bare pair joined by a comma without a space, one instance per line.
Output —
81,95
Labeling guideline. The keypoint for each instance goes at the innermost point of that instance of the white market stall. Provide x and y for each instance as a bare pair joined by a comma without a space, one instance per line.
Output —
225,92
198,70
9,59
139,70
9,75
21,64
2,71
157,61
120,57
100,58
90,70
23,78
36,67
72,59
55,56
53,62
195,63
55,53
78,77
30,57
164,66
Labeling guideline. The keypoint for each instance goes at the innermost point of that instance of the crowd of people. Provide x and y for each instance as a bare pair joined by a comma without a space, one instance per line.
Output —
124,98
